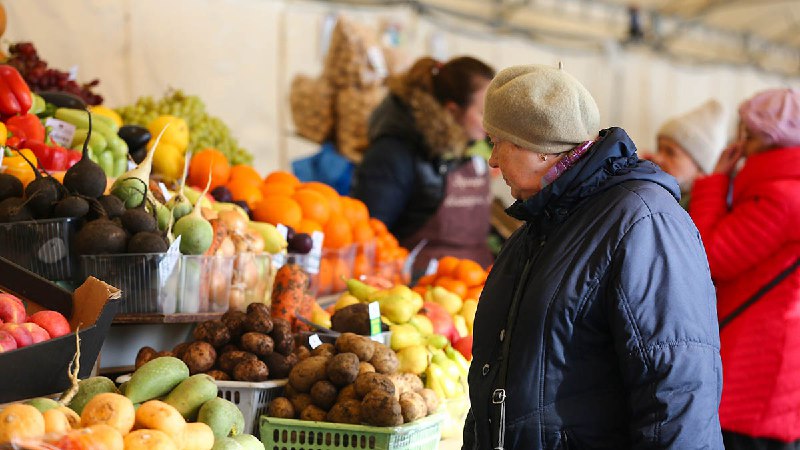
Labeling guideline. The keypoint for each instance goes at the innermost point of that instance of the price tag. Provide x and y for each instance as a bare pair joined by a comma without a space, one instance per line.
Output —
282,230
374,319
433,266
171,258
315,255
314,341
61,132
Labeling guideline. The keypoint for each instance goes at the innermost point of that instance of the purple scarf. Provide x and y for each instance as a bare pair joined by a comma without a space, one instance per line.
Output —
566,163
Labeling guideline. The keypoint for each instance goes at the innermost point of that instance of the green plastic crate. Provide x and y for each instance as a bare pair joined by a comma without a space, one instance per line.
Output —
292,434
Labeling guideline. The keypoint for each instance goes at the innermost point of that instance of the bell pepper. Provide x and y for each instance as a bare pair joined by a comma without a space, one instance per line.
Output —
51,157
17,166
3,134
30,125
15,95
73,156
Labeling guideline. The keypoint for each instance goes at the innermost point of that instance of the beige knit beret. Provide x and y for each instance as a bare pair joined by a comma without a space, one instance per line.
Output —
700,132
540,108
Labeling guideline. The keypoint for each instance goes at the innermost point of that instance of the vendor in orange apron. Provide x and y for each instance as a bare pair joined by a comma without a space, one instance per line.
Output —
460,226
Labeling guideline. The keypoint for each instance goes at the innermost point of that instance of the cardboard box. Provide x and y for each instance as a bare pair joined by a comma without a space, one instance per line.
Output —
43,368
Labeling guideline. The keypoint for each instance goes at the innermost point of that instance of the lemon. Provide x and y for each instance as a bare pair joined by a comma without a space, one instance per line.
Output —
107,112
167,160
177,134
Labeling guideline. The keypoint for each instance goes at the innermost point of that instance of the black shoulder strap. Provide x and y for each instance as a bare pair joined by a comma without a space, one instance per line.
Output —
760,293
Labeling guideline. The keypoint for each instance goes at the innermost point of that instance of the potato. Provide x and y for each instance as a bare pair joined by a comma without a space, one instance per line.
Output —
180,349
343,369
228,348
312,412
302,353
324,349
285,344
279,365
229,360
405,382
431,400
234,320
368,382
164,353
353,343
218,375
384,360
145,354
257,343
212,331
381,409
412,406
280,329
301,401
289,392
308,372
347,393
251,370
199,356
365,367
258,322
258,308
323,394
347,411
281,407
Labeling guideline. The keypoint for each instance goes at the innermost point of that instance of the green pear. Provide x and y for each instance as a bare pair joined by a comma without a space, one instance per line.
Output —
413,359
437,341
422,323
397,309
360,290
450,301
405,335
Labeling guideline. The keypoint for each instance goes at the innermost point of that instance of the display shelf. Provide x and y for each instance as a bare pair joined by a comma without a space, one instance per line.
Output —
165,318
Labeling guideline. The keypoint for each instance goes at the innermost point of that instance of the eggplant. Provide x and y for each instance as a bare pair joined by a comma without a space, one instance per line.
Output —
62,99
137,138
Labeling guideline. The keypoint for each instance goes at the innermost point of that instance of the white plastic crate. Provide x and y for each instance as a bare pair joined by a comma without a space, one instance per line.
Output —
251,398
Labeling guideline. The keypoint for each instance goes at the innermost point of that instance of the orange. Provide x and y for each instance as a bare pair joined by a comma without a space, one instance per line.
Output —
314,205
243,189
362,232
355,210
421,290
361,266
330,193
307,226
451,284
341,273
470,272
277,188
282,177
338,233
474,292
426,280
325,277
242,172
207,161
277,209
377,226
447,266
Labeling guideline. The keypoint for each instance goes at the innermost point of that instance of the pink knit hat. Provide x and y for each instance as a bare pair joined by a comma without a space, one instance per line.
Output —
774,114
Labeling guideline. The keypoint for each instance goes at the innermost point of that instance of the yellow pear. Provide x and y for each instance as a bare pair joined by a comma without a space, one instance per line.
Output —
346,299
450,301
320,317
461,325
423,324
397,308
468,312
413,359
405,335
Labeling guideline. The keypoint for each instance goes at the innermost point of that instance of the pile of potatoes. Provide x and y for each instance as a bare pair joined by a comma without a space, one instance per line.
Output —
249,346
353,381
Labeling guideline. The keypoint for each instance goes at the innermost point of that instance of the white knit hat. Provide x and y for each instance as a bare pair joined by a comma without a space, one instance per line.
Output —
701,132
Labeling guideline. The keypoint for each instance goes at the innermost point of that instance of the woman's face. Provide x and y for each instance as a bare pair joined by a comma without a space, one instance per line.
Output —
522,169
674,160
751,142
471,117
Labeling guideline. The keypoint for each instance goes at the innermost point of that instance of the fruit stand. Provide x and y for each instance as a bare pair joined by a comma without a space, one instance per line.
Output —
194,302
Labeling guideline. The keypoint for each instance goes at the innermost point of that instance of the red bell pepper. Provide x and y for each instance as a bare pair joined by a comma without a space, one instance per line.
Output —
73,156
29,124
16,137
58,160
15,95
51,157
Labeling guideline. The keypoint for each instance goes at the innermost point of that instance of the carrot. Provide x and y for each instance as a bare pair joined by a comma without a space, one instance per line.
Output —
289,296
220,233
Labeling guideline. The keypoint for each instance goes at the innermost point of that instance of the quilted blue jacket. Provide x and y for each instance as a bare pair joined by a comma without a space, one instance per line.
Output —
615,344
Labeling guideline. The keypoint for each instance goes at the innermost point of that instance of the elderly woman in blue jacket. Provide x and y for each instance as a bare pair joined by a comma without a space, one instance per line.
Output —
597,325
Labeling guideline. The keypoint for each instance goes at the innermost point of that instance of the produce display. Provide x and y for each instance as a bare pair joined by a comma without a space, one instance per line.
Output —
18,330
205,130
252,346
353,381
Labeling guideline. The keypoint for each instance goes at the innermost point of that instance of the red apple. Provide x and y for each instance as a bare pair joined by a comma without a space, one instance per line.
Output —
441,319
11,309
7,342
19,333
52,321
464,345
38,334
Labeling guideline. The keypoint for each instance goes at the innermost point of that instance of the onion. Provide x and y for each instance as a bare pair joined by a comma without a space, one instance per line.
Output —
233,221
255,240
236,300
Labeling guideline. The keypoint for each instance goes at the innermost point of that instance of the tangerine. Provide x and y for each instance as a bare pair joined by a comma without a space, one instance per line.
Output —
362,266
334,199
307,226
276,188
470,272
447,266
474,292
244,172
207,161
282,177
427,280
377,226
362,232
243,189
314,205
457,287
355,210
338,233
277,209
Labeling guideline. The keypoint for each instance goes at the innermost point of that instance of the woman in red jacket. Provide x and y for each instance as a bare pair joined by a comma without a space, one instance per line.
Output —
753,245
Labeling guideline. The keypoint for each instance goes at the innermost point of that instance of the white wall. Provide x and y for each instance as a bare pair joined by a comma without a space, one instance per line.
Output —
239,56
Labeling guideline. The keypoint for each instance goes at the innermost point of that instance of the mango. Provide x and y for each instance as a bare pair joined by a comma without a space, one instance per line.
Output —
43,404
226,444
249,442
197,436
224,418
156,378
190,395
88,389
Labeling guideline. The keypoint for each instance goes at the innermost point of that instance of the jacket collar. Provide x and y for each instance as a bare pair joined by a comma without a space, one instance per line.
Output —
771,165
611,160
